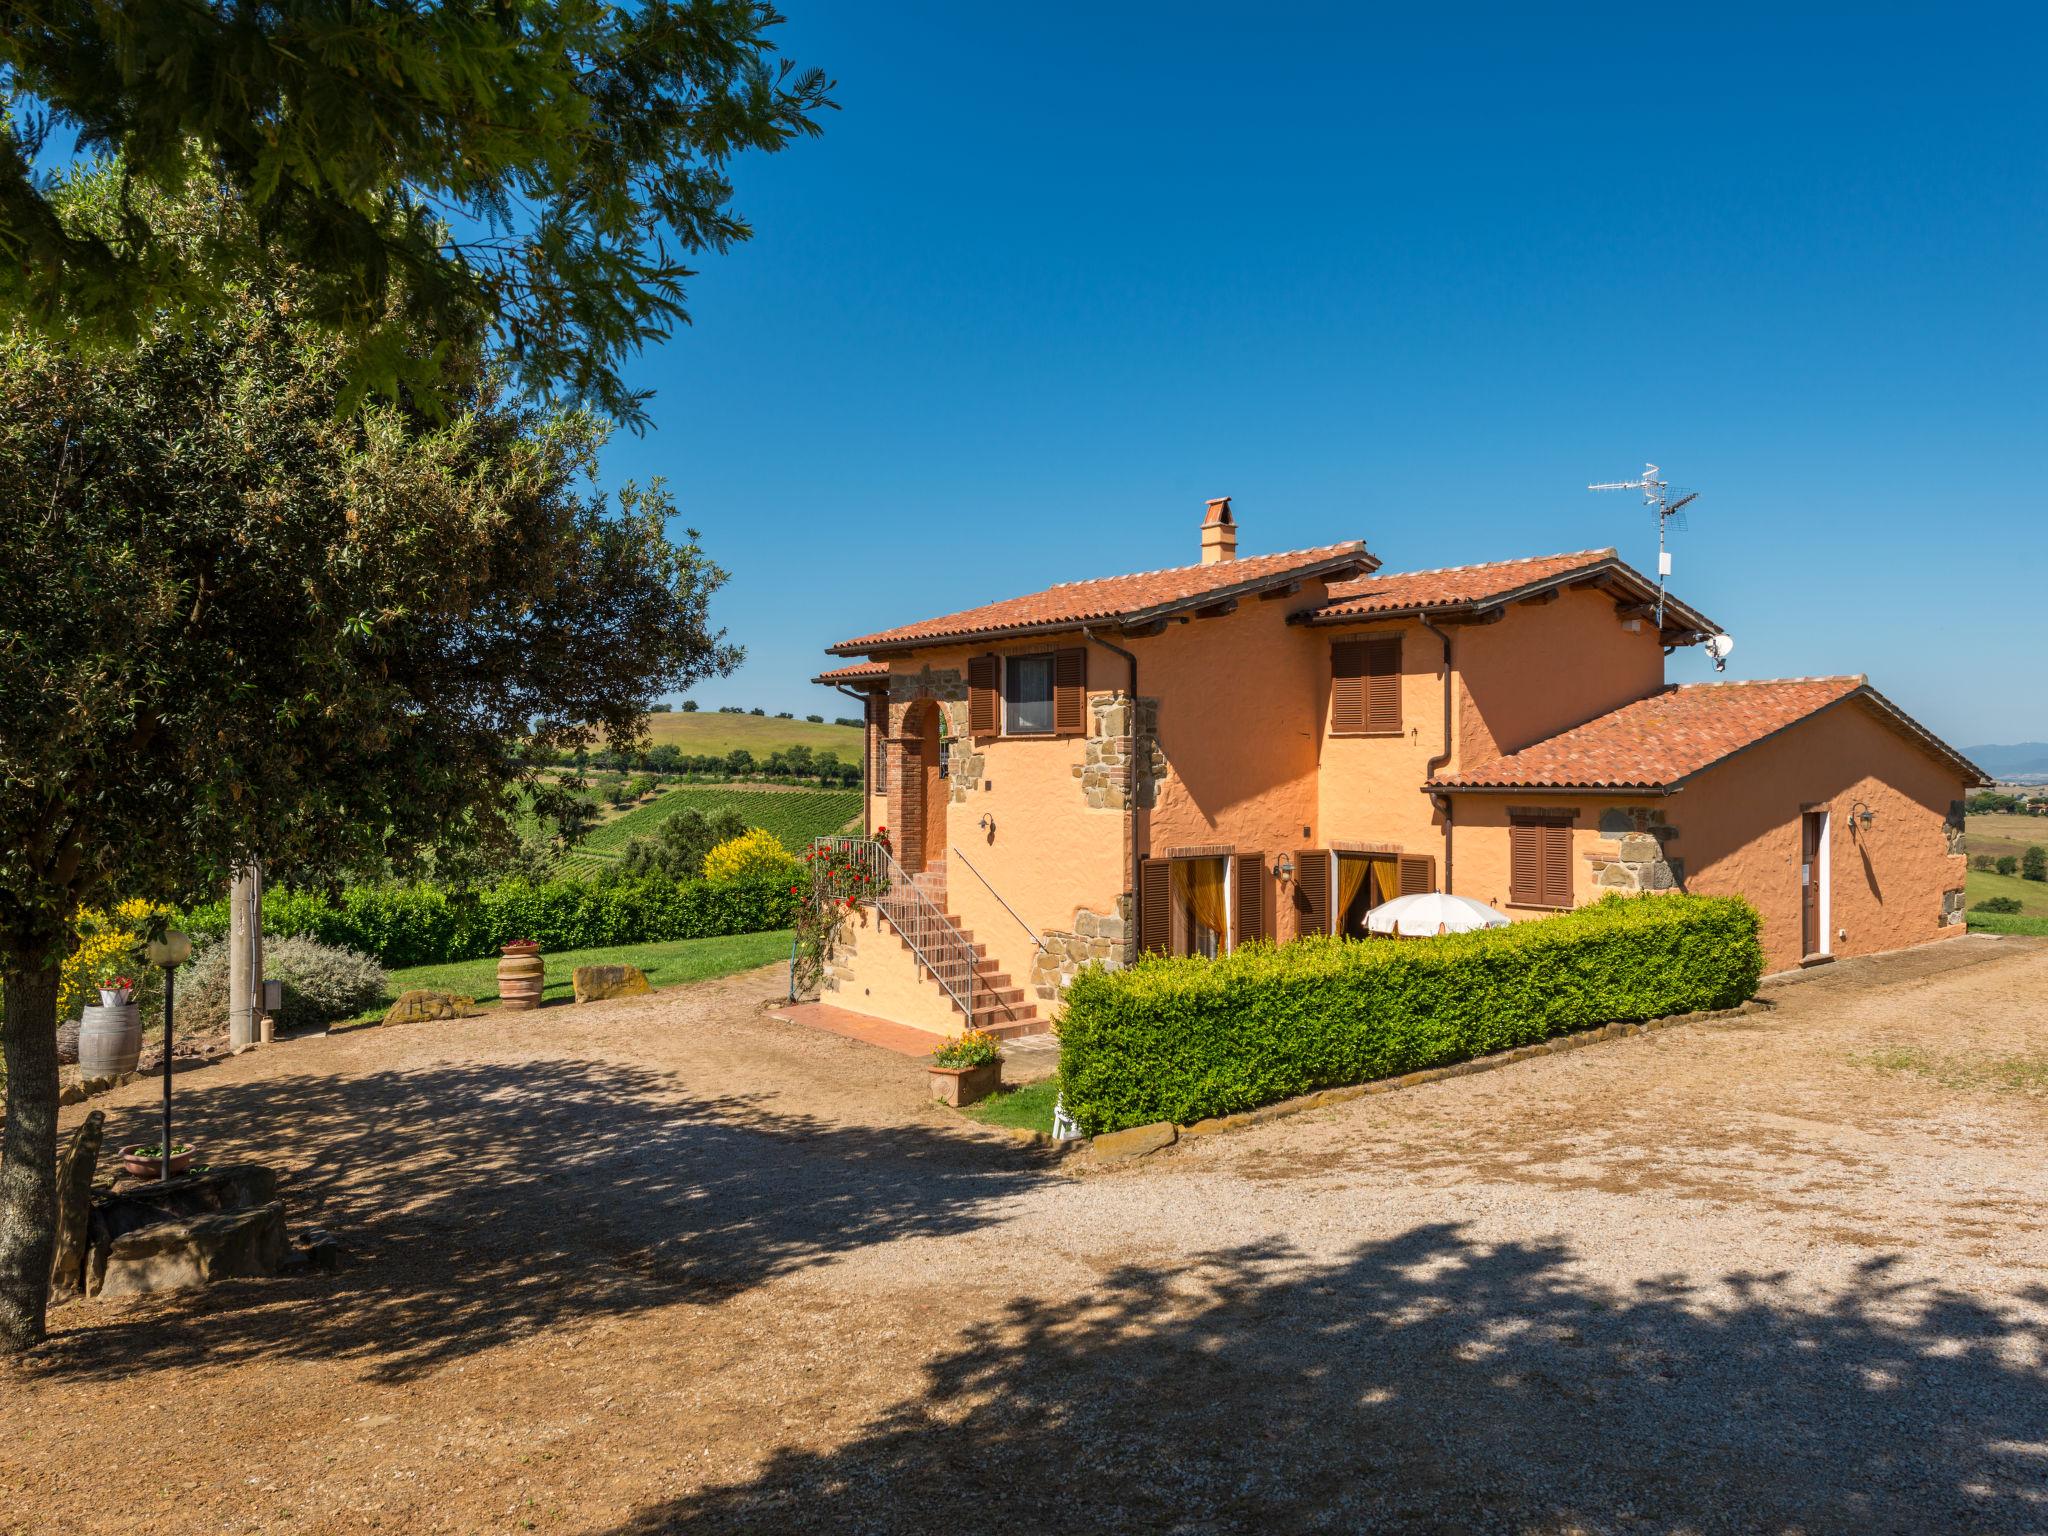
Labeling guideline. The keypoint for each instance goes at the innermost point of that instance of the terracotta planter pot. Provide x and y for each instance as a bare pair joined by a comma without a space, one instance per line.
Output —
960,1086
140,1167
521,975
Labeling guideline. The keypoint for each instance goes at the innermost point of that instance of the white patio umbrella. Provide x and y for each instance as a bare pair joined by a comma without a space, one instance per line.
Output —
1432,912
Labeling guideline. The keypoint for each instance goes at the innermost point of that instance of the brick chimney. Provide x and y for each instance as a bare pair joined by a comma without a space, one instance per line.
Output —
1219,532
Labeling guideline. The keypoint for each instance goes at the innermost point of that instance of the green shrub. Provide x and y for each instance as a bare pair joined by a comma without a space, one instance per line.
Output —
2008,865
1999,906
201,1000
321,982
1184,1039
406,925
2034,864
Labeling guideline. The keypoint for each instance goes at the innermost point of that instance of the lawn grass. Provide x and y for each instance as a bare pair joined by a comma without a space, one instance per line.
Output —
1999,833
1996,922
667,965
2013,1074
1028,1108
1980,885
707,733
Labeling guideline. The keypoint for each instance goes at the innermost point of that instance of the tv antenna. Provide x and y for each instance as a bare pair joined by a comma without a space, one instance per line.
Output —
1657,493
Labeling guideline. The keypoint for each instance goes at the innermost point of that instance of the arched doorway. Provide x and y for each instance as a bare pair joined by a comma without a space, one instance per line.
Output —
924,788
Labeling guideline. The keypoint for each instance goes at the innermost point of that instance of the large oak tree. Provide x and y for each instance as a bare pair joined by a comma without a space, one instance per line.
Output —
240,621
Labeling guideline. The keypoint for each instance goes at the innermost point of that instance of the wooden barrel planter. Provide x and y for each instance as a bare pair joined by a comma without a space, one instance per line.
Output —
521,974
109,1039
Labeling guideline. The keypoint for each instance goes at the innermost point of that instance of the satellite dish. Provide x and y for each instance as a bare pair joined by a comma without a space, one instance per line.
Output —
1720,647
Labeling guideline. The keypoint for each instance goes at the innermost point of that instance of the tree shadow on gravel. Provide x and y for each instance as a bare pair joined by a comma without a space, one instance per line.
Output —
482,1202
1429,1383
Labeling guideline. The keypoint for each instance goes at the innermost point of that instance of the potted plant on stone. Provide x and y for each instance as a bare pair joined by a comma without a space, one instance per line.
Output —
146,1162
967,1069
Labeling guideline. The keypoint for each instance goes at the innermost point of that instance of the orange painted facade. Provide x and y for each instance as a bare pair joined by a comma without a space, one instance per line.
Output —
1040,832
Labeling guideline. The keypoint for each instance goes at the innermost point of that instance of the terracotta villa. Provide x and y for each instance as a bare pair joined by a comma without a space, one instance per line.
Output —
1266,746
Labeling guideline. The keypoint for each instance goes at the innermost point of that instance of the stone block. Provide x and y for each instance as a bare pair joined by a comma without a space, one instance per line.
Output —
1138,1141
1614,821
1639,848
1617,877
594,982
174,1255
425,1005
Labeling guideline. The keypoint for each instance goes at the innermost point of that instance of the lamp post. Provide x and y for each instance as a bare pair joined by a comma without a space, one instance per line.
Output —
170,951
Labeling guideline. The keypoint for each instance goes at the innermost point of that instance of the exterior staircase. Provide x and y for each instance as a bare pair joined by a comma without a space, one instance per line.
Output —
948,955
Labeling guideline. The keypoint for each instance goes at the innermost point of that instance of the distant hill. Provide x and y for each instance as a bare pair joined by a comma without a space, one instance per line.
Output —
707,733
2022,758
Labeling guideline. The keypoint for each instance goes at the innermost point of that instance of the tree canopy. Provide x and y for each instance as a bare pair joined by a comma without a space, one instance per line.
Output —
238,621
553,163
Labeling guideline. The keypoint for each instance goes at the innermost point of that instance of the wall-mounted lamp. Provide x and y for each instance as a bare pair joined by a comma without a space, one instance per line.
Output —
1863,813
1285,868
987,825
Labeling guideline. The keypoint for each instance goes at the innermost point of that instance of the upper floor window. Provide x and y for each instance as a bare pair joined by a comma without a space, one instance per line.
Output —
1027,696
1365,686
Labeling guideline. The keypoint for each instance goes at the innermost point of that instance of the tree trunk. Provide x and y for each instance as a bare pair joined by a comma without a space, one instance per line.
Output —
28,1154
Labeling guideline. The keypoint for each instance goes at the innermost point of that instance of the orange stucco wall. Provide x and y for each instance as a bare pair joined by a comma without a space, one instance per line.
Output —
1369,790
1738,834
875,973
1547,667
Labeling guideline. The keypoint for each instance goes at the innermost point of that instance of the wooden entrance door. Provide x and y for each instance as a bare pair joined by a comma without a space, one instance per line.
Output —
1812,828
928,783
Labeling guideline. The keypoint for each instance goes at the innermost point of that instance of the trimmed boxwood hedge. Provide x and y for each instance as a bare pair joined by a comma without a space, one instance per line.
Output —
1184,1039
404,925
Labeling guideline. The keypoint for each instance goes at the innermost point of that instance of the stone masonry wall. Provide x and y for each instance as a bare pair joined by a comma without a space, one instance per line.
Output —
1121,764
1638,858
1097,938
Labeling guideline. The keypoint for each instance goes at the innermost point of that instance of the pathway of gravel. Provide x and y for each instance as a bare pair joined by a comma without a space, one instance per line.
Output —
666,1264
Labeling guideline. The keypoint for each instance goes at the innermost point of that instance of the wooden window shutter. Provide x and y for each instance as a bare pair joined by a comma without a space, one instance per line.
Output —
1347,686
1155,902
981,696
1312,890
1070,692
1383,684
1249,877
1557,864
1525,864
1418,874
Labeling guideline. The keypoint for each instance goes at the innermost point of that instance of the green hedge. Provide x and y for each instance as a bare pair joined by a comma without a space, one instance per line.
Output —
1184,1039
404,925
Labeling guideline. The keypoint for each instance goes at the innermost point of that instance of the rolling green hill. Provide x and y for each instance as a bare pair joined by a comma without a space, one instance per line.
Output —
705,733
793,815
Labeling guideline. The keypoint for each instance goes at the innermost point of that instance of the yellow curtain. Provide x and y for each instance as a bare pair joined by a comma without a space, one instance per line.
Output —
1386,874
1200,883
1351,875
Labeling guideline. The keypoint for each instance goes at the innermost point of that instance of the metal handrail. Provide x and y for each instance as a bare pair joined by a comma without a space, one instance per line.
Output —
1029,932
941,948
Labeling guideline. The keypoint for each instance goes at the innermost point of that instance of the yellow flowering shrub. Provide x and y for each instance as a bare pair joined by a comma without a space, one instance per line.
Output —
109,944
753,853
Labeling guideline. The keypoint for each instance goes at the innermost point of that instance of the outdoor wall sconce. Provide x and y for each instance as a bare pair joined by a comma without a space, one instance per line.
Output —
1863,813
988,825
1284,870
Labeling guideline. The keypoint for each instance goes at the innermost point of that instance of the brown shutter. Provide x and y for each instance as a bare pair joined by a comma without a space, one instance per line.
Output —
1347,686
1418,874
1250,880
1155,897
1070,692
1557,864
981,696
1312,890
1525,864
1383,684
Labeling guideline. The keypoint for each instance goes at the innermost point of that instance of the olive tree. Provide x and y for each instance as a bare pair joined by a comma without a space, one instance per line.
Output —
239,621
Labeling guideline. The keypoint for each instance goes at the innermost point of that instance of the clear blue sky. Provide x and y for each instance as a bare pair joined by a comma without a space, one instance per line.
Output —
1050,280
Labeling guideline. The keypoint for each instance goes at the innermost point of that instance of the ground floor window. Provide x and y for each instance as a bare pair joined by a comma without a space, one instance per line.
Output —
1364,881
1201,907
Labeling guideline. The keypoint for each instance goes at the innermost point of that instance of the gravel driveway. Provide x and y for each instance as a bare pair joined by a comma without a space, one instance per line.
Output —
666,1264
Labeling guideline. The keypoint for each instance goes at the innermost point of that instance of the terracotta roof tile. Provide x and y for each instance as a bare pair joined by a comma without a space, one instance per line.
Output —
1470,586
859,672
1660,741
1113,598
